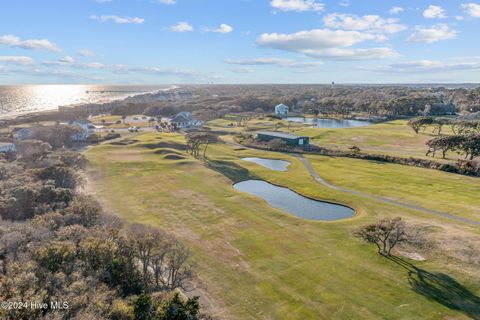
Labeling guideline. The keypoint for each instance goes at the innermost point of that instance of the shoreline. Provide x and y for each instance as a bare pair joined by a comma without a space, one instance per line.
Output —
18,115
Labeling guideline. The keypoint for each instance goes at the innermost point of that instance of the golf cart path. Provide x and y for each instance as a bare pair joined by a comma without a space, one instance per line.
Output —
318,179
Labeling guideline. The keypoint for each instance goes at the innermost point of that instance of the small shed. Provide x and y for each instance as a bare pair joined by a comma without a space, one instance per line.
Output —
281,110
290,139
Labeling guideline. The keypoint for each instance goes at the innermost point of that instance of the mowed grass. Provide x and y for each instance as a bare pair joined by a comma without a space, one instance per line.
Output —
394,138
257,262
432,189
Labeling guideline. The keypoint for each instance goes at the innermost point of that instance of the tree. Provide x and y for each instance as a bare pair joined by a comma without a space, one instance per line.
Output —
84,210
177,309
57,136
177,270
443,143
57,256
470,146
385,234
148,242
439,123
418,123
143,308
196,139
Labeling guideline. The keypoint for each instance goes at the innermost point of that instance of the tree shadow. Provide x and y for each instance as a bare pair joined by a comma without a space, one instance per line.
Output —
441,288
231,170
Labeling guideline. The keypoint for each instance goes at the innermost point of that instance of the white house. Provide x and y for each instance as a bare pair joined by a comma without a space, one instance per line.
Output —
7,147
22,133
281,110
86,128
182,120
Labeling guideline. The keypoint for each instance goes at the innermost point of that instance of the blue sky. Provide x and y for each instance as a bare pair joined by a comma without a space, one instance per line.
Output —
239,41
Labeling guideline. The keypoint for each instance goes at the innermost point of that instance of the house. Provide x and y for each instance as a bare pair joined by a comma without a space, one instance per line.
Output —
281,110
290,139
7,147
86,129
22,133
182,120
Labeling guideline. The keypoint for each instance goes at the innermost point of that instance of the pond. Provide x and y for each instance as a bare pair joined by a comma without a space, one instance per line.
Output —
294,203
277,165
329,123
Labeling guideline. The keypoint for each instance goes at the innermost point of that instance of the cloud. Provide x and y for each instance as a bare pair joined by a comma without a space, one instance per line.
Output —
431,66
117,19
297,5
434,12
31,44
223,28
396,10
344,3
19,60
182,27
432,34
188,75
326,43
67,59
86,53
284,63
167,1
70,62
472,9
369,23
242,70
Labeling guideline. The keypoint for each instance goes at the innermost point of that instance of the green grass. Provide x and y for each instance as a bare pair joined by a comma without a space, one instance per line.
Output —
261,263
446,192
393,138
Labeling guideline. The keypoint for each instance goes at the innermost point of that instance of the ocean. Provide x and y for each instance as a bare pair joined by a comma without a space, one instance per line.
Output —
21,99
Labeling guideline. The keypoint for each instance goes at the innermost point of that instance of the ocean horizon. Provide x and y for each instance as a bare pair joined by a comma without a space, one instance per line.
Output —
21,99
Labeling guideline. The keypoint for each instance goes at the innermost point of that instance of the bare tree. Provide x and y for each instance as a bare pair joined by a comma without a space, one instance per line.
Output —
385,234
177,271
146,240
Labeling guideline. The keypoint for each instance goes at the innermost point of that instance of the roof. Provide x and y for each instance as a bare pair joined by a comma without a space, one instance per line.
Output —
280,135
182,117
281,106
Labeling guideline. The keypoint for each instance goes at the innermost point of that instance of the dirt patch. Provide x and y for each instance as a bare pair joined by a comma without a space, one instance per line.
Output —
174,157
124,155
172,145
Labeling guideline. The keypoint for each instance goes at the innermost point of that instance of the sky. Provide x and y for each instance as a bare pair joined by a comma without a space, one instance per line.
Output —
239,41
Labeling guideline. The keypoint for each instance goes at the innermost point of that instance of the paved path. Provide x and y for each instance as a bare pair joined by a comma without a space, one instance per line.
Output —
317,178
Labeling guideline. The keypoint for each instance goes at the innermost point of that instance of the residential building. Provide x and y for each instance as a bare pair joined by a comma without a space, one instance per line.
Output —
7,147
281,110
182,120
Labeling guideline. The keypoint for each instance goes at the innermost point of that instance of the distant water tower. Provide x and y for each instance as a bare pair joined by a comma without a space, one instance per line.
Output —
333,83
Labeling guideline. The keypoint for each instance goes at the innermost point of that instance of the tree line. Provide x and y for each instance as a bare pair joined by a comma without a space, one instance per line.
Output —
58,245
465,139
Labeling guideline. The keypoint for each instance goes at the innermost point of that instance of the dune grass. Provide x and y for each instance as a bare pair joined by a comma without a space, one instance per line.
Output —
258,262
